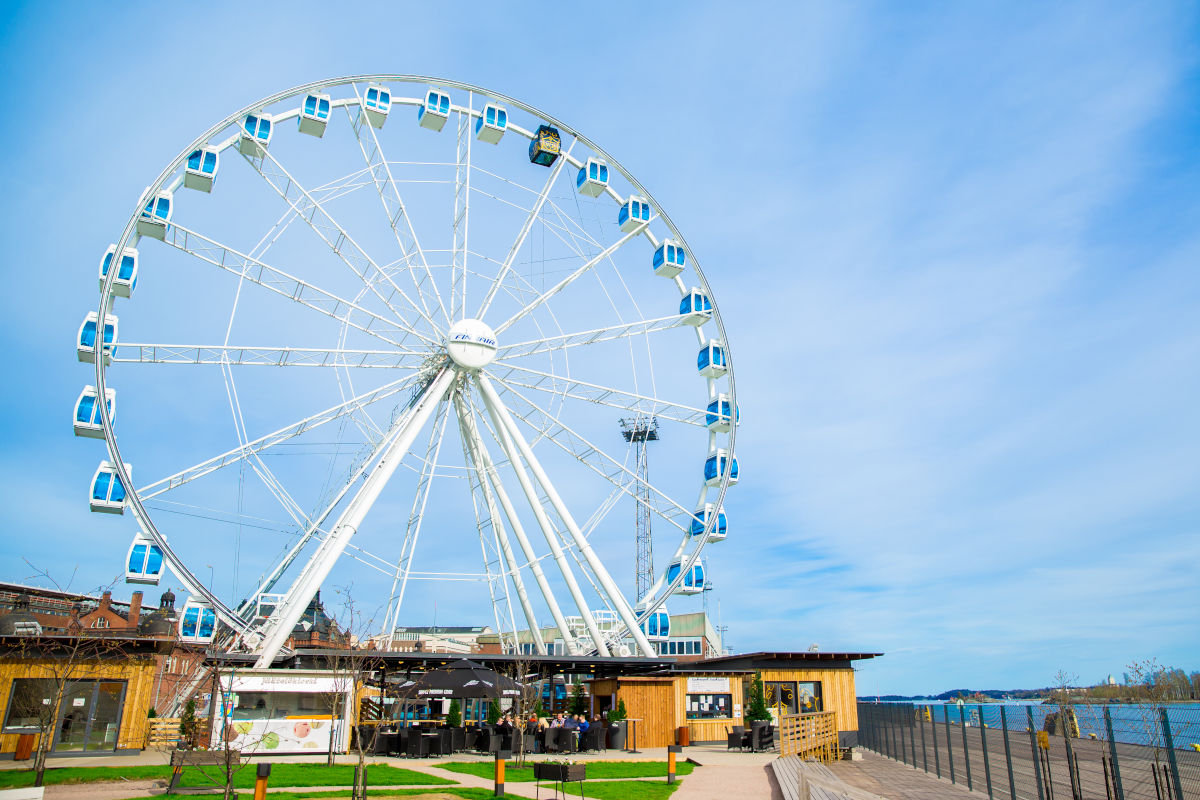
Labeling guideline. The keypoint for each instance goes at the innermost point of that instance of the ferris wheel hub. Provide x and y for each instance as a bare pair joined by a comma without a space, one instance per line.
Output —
471,343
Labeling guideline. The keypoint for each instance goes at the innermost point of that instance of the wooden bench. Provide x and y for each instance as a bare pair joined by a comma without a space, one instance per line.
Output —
24,793
197,758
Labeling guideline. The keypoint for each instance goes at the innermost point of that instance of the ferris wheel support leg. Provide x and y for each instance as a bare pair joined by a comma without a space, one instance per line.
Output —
470,435
511,450
505,420
283,620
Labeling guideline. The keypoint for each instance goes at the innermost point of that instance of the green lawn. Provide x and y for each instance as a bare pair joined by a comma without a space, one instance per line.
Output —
378,794
612,790
595,769
618,790
281,775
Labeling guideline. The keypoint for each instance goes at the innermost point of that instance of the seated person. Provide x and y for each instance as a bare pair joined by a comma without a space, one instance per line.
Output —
557,721
571,724
582,723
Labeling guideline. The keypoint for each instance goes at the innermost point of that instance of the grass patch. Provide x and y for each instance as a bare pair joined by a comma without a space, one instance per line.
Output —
618,790
595,769
285,774
378,794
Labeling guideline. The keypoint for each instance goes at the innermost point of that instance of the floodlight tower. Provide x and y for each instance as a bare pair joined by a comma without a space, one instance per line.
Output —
638,431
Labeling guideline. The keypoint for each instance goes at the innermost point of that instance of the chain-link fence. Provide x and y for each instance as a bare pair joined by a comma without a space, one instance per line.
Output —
1045,752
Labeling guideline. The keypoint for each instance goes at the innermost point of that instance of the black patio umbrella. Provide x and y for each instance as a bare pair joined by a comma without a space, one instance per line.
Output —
462,679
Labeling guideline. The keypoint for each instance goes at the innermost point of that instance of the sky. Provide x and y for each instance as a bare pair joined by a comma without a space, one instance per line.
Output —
954,246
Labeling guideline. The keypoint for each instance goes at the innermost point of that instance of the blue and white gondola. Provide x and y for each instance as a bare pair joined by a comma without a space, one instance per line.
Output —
634,213
156,215
87,412
693,581
695,308
701,517
126,280
657,626
144,562
86,341
108,493
717,465
492,123
710,361
669,259
720,415
197,622
201,169
434,112
592,178
314,114
256,133
377,102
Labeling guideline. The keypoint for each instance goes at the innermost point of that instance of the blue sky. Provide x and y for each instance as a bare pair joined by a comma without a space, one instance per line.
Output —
955,247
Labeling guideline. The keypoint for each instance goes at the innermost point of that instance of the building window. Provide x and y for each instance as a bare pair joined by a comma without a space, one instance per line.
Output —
31,700
709,706
100,622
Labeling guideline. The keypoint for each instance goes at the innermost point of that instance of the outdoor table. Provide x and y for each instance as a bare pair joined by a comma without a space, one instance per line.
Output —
632,746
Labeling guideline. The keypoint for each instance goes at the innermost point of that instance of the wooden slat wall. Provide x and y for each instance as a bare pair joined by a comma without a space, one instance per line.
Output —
138,673
837,691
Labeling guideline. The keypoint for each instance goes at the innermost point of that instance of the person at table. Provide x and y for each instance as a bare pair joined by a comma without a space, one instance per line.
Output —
582,724
558,721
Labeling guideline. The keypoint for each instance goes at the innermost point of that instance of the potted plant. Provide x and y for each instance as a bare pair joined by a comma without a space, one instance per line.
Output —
617,726
493,713
757,713
454,715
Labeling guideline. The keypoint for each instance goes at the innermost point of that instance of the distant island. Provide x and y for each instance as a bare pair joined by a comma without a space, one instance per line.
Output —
969,695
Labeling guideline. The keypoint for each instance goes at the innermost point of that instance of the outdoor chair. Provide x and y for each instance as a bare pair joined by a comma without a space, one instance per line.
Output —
399,742
489,742
458,739
734,736
593,739
549,740
418,746
529,742
564,740
506,740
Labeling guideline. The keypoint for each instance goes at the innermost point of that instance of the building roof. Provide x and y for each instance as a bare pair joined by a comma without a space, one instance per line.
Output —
779,659
449,629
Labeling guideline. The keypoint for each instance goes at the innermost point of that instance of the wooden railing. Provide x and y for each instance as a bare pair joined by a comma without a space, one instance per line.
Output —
809,736
162,732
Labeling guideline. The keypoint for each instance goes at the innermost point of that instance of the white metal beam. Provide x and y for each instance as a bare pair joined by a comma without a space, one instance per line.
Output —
500,413
281,622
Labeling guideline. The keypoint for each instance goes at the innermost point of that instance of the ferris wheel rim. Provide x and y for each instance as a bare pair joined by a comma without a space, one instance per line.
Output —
190,582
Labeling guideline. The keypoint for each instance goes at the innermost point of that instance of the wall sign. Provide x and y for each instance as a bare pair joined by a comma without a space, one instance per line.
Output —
707,685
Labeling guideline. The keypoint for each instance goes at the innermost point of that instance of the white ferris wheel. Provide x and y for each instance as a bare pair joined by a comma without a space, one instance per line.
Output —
380,330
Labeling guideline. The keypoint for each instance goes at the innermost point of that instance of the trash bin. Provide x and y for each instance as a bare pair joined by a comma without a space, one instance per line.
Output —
24,747
682,736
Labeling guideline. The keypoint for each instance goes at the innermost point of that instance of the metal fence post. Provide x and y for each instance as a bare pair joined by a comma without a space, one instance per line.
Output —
912,732
900,730
950,743
987,768
937,758
1112,752
1170,743
1033,748
962,720
924,748
1012,787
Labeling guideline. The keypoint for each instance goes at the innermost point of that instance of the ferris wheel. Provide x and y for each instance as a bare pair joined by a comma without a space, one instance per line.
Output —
380,330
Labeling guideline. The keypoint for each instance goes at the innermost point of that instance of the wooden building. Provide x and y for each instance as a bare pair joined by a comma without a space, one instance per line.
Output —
91,695
709,697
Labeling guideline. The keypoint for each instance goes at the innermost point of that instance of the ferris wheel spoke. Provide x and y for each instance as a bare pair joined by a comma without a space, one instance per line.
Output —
621,331
531,218
567,281
279,625
275,280
335,236
511,432
511,447
481,476
380,170
629,402
237,355
273,439
554,430
412,530
460,224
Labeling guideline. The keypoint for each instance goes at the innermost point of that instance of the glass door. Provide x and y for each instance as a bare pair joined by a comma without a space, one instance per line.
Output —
89,717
